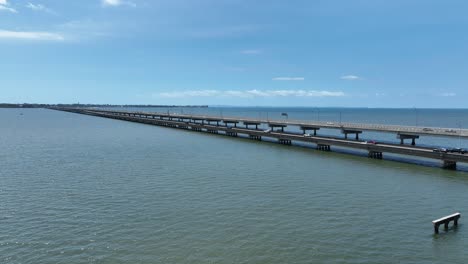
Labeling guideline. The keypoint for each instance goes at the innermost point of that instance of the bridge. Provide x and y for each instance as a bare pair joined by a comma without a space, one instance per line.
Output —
230,126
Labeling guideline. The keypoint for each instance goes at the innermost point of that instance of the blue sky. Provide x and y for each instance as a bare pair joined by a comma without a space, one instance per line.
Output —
350,53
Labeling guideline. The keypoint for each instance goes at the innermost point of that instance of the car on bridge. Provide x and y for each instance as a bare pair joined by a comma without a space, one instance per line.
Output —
440,150
457,150
307,135
370,142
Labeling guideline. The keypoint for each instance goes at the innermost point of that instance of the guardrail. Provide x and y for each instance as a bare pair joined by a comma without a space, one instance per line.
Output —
432,131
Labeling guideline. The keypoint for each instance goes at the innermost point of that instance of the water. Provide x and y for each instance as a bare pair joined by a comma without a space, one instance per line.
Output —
82,189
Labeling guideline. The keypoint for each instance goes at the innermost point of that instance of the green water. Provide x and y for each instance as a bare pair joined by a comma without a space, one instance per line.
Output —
82,189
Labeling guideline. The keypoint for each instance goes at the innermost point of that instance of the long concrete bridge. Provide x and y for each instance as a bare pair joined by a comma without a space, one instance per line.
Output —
231,126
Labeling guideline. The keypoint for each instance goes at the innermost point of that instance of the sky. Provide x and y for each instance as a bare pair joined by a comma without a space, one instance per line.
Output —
319,53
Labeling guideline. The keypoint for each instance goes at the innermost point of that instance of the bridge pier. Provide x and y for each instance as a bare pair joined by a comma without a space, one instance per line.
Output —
198,121
305,128
347,131
280,126
323,147
213,120
212,131
449,165
402,137
247,126
284,141
231,133
255,137
252,123
227,122
375,154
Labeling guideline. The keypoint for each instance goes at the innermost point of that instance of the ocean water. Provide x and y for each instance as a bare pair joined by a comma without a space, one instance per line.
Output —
83,189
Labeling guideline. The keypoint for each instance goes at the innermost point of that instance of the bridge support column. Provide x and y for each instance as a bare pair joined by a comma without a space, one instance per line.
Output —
284,141
402,137
231,133
305,130
255,137
450,165
247,126
346,132
375,154
323,147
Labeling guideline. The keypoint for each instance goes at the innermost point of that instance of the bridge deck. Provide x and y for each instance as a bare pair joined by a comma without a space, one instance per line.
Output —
399,129
319,140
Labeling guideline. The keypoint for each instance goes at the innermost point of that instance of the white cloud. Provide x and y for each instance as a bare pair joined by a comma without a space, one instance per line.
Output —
350,78
77,30
288,79
31,35
250,93
117,3
9,9
39,7
251,52
4,7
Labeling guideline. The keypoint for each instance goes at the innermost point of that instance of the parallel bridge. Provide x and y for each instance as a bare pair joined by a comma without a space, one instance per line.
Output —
347,126
230,127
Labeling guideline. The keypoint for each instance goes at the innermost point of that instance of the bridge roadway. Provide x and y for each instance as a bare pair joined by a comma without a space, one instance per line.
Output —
449,159
407,130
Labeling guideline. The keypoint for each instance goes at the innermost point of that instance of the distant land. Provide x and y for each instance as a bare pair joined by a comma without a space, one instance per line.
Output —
25,105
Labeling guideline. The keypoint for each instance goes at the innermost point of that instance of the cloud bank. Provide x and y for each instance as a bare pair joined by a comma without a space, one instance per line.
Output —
250,93
117,3
4,7
31,35
39,8
350,78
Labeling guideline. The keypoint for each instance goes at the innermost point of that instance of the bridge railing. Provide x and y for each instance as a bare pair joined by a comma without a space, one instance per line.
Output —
324,124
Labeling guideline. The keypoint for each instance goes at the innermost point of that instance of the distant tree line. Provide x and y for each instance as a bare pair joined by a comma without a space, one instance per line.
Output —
25,105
